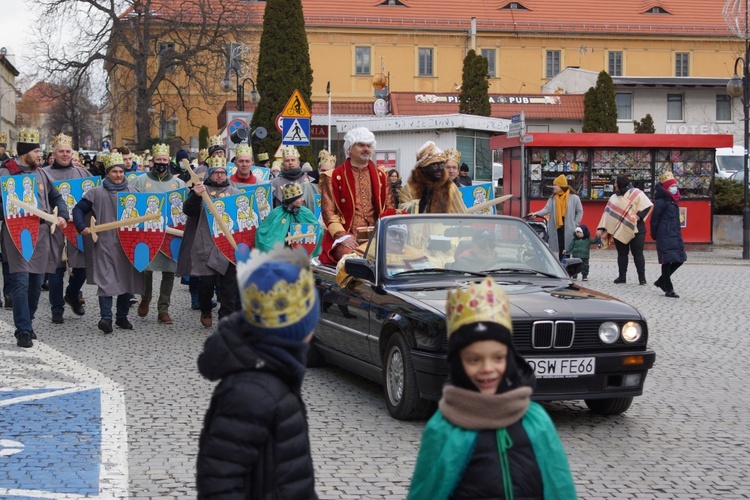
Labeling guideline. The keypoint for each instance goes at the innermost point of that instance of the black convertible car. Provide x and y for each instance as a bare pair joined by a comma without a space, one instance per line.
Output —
384,313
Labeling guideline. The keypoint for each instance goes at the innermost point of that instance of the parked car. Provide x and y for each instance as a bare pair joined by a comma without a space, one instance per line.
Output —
582,344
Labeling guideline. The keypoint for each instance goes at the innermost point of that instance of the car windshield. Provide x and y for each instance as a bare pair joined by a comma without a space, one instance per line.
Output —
422,245
730,163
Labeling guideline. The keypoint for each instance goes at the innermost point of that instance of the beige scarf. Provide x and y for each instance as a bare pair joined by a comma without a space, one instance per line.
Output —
476,411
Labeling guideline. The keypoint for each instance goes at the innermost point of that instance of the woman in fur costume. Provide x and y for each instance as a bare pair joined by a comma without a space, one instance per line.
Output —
429,190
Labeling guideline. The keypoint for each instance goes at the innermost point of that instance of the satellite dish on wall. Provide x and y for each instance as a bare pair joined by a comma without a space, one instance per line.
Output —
558,88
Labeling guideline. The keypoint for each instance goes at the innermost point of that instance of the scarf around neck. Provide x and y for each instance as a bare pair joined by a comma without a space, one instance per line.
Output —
561,207
473,410
111,186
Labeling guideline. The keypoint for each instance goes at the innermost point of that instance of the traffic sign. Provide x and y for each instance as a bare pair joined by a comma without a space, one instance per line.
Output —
296,107
279,121
517,124
236,124
296,132
527,139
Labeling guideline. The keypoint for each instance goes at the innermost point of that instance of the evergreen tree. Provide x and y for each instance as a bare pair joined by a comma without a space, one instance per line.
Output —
203,137
283,66
645,126
600,107
474,98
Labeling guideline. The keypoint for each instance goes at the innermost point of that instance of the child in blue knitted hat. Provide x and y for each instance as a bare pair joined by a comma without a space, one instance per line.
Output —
254,442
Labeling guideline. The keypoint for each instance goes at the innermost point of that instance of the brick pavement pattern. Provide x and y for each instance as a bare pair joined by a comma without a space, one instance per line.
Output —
686,437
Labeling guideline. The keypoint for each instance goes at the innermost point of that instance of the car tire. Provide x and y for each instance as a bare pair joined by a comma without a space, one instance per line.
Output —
315,358
612,406
400,383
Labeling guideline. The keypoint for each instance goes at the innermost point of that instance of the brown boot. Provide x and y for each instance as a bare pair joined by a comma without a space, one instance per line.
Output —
143,307
206,320
164,318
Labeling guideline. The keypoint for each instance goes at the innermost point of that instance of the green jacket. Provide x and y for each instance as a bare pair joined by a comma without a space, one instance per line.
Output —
446,450
581,247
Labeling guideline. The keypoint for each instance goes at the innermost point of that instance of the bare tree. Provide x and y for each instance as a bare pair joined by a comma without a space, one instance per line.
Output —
73,113
161,53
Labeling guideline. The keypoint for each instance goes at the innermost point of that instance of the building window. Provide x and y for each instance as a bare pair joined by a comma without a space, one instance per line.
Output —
490,55
166,53
674,107
681,67
553,63
234,56
615,64
723,108
624,102
362,61
425,62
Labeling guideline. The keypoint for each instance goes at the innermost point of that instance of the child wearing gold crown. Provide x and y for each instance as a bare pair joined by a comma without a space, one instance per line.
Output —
487,439
276,227
254,442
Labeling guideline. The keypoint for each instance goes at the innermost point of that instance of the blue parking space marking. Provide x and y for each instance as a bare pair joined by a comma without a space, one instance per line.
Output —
5,395
51,443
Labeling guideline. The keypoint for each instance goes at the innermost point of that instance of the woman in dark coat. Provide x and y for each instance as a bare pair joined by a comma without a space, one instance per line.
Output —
665,229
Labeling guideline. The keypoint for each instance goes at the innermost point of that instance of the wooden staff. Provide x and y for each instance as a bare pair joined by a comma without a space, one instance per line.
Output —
297,237
174,232
212,208
51,218
488,203
93,228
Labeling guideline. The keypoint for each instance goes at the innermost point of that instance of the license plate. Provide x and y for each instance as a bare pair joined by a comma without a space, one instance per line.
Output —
563,367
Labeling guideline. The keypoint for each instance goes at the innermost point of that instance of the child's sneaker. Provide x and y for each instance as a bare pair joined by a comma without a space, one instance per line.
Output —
585,278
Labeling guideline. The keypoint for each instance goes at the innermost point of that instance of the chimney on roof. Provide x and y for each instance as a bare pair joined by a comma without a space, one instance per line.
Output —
473,33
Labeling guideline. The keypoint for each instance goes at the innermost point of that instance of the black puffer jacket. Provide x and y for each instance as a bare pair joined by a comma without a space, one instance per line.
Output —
254,442
665,228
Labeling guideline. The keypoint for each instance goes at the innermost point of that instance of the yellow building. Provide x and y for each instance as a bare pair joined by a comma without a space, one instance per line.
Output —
420,45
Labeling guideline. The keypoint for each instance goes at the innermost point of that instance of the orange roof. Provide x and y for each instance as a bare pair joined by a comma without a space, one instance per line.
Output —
535,106
682,17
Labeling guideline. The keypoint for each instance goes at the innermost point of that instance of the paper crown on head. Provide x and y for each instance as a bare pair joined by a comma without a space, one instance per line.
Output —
243,149
325,158
202,155
160,150
62,140
216,162
479,302
214,141
453,155
263,157
3,138
278,293
100,157
428,154
113,160
276,165
289,151
28,136
666,176
291,191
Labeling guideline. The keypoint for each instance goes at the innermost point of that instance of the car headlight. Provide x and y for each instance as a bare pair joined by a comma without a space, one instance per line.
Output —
609,332
631,331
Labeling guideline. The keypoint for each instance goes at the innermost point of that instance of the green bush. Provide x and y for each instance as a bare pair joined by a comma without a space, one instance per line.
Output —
728,197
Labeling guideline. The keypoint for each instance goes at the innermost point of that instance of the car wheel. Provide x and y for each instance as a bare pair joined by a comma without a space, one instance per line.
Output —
315,358
400,382
612,406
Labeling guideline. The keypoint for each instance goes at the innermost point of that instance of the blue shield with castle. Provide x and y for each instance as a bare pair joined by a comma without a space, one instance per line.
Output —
175,222
23,226
142,240
72,190
241,214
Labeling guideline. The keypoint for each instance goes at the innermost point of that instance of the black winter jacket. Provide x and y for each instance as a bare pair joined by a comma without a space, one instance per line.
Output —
254,442
665,228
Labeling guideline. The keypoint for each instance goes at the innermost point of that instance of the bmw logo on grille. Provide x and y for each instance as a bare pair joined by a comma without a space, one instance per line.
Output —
551,312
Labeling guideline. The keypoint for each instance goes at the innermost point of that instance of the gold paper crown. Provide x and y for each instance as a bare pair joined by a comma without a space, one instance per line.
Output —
138,160
160,149
263,157
666,176
113,159
276,164
243,149
452,155
289,151
62,140
325,158
202,155
100,157
284,304
3,138
28,136
292,190
217,162
484,301
215,140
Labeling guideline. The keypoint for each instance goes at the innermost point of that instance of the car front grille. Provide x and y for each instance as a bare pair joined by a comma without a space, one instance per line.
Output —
535,336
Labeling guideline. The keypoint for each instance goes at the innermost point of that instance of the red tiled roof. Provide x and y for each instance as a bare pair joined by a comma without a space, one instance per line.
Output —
534,106
684,17
342,108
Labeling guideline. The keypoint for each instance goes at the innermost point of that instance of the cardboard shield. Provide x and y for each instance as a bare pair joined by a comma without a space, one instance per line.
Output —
176,219
130,176
141,241
308,243
262,203
261,173
240,214
72,190
479,193
23,227
318,209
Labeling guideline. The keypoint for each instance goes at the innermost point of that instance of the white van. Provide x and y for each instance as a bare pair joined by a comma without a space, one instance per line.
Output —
729,161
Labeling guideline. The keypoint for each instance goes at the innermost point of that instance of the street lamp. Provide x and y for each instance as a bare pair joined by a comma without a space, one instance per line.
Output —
226,86
734,12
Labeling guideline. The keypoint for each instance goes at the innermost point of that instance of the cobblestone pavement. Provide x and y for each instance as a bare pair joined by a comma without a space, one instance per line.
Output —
84,414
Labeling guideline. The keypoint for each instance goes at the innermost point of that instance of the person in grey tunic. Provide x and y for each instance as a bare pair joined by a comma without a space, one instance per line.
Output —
201,256
158,180
63,169
26,276
107,265
292,172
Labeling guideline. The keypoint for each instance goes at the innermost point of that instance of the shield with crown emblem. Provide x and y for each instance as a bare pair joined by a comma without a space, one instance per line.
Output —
72,190
23,227
176,219
304,236
141,241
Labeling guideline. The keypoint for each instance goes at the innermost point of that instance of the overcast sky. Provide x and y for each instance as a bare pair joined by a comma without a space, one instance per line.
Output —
16,32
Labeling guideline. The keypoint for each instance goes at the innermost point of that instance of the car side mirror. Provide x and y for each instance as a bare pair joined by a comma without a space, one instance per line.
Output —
573,266
360,269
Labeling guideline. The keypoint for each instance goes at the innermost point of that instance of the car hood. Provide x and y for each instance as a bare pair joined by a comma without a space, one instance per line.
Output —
530,300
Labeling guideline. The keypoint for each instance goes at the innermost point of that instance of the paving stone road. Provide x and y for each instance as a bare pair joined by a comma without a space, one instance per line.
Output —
84,414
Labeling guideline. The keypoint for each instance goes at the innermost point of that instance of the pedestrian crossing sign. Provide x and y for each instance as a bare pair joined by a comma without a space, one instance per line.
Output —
296,107
295,132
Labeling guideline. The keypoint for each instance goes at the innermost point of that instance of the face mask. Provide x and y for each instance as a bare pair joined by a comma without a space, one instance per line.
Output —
673,189
161,167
